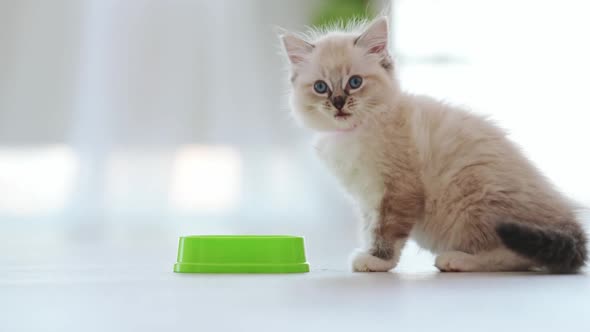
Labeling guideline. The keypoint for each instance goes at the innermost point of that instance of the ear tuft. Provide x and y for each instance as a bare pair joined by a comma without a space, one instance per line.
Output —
375,38
297,49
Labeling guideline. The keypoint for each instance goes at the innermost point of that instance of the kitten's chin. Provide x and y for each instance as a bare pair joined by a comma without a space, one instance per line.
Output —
343,128
354,127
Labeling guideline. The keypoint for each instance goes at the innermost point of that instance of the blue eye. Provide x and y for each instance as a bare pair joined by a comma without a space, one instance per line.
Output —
355,82
320,87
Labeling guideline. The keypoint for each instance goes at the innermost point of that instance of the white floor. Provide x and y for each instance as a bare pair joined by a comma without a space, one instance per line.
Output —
105,287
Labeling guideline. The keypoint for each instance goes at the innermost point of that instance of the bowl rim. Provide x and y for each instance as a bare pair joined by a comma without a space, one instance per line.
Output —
242,236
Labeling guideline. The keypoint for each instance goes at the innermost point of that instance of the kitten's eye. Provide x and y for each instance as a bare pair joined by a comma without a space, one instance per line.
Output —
355,82
320,87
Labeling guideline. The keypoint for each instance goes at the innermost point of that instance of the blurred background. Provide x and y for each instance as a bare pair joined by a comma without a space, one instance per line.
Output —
125,124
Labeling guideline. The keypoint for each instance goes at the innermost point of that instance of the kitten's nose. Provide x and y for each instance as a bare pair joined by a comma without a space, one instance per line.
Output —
338,102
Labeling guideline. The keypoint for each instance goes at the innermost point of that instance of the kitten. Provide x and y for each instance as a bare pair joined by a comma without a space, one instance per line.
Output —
419,168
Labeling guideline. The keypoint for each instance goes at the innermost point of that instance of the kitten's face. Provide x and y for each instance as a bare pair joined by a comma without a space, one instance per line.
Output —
341,80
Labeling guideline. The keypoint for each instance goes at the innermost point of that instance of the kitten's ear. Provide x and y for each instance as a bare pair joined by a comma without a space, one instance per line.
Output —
297,49
374,39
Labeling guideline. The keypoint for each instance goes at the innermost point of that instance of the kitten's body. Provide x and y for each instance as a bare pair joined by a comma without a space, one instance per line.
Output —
417,167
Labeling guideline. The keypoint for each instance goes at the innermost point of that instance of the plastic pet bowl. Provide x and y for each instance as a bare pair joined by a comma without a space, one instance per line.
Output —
241,254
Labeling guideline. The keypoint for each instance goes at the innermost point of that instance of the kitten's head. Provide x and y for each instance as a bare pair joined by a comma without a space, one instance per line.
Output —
341,79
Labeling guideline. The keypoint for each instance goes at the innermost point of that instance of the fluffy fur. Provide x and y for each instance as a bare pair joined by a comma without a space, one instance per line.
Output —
419,168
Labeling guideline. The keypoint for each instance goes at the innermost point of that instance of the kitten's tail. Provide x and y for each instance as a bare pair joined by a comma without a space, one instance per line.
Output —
561,248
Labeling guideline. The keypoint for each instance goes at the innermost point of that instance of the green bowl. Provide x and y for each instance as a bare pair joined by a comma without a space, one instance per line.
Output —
241,254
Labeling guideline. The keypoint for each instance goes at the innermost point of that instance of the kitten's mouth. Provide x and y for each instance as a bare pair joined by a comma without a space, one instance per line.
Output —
342,115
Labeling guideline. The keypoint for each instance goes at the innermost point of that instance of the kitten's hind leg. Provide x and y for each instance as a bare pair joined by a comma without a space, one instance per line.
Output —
496,260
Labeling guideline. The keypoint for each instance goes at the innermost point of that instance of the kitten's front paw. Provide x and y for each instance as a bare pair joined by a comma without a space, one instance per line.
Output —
362,261
456,261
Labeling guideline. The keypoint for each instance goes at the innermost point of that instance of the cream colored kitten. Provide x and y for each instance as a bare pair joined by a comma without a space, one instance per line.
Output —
420,168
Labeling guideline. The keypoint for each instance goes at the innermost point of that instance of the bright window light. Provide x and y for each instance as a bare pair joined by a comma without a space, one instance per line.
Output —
36,180
205,179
